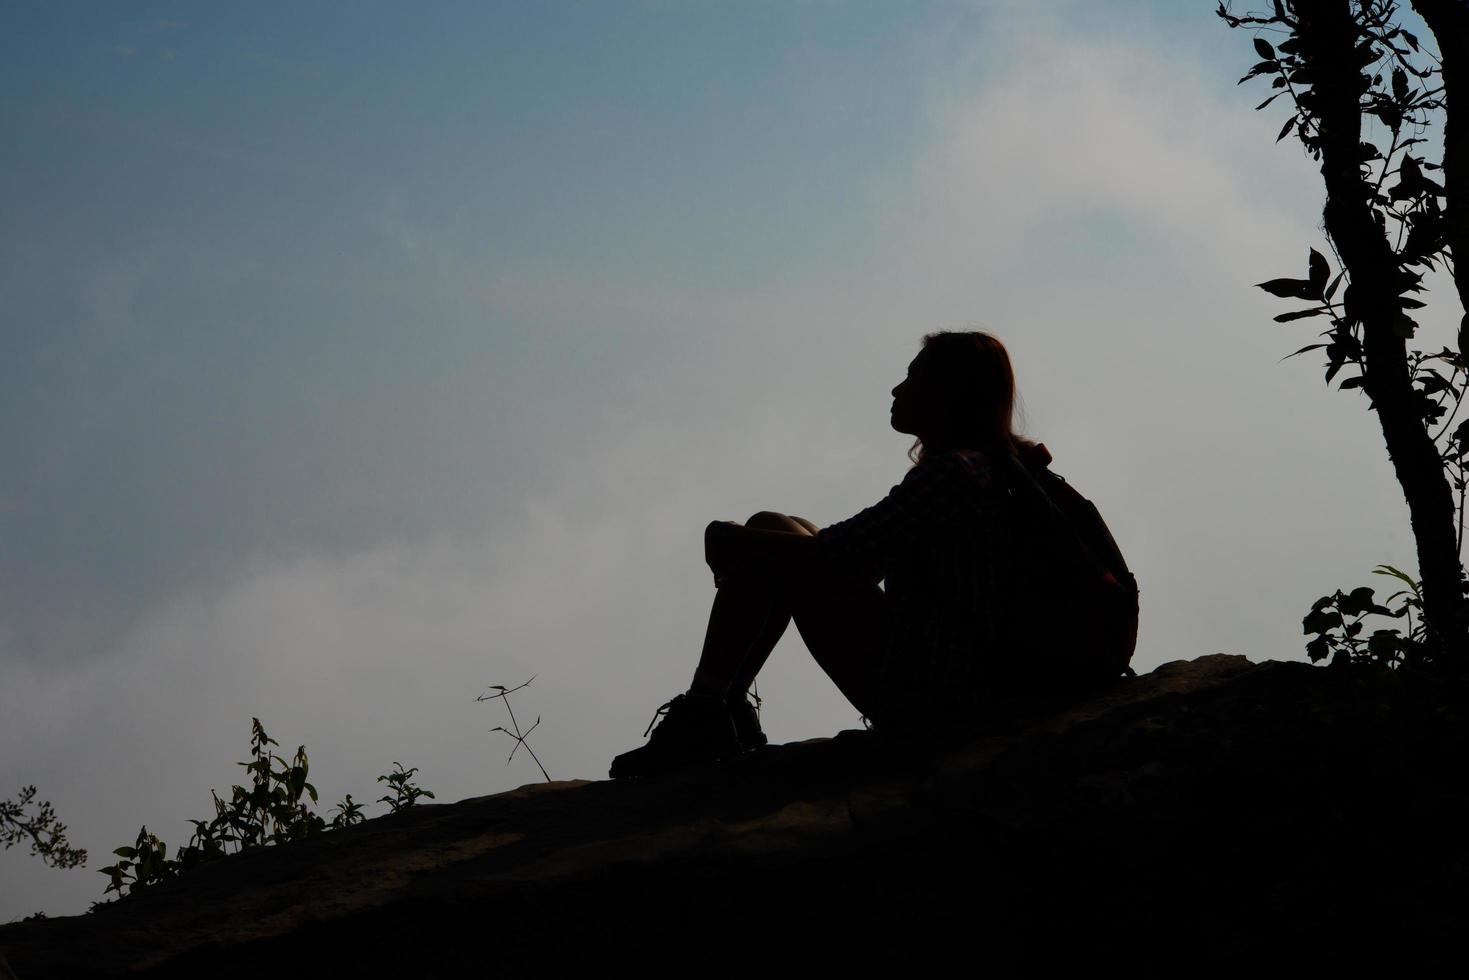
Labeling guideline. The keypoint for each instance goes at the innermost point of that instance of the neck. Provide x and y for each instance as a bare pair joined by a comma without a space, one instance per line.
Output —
940,443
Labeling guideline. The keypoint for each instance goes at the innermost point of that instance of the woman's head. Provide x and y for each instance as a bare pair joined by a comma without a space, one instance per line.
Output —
959,394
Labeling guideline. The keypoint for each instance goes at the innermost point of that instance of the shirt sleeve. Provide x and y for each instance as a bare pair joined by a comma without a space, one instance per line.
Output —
932,494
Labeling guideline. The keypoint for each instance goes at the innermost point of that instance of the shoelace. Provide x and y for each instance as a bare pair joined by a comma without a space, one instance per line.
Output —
662,710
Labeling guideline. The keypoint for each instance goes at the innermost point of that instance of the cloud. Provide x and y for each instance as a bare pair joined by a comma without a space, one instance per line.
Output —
1054,128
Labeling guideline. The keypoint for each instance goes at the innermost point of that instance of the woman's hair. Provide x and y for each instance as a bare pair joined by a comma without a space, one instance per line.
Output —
977,386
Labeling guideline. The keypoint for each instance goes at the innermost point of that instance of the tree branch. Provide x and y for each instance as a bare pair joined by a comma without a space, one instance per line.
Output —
1449,21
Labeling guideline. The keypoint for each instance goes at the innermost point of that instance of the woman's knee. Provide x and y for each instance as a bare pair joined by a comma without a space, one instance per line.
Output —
769,520
806,524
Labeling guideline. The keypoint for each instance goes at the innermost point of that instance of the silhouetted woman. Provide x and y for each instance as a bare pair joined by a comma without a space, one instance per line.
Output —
925,647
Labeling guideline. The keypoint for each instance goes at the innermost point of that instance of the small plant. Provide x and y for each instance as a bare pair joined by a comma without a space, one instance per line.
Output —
143,865
405,793
275,808
272,810
348,814
503,694
46,834
1338,622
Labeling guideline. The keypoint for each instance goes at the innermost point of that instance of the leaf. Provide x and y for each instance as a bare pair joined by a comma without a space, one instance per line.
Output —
1303,350
1411,181
1411,39
1318,649
1285,130
1319,272
1382,643
1350,383
1265,50
1298,315
1320,621
1248,75
1390,115
1404,325
1461,436
1400,85
1271,99
1331,290
1287,288
1259,69
1433,383
1399,574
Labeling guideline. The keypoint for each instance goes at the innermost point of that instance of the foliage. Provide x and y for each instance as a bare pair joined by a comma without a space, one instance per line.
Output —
47,835
276,807
140,866
348,813
1339,622
514,730
1398,88
405,793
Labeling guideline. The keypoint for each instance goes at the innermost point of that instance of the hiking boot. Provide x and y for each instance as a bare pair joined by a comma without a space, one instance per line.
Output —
693,729
746,719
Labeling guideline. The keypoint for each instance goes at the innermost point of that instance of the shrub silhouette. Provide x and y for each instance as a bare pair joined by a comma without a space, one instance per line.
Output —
405,794
275,808
46,834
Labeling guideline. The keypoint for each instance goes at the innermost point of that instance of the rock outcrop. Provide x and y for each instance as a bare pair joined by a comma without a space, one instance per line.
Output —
1214,814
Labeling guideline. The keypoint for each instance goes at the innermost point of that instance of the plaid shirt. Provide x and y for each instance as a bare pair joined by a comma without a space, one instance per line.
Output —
939,541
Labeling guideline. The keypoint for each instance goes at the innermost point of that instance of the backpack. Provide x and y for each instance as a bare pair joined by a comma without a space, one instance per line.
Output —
1079,601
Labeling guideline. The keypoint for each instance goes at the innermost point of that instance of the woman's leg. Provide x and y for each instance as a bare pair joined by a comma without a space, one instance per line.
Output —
746,621
843,623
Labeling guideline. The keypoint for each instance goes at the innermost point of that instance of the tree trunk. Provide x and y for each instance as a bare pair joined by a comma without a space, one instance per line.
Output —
1329,39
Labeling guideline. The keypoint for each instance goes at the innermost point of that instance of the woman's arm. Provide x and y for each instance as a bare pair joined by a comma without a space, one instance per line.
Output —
733,550
928,499
863,545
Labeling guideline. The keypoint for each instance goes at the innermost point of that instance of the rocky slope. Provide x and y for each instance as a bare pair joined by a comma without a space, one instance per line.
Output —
1214,814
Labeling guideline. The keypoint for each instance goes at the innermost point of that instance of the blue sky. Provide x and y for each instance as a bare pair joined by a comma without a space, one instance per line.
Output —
357,356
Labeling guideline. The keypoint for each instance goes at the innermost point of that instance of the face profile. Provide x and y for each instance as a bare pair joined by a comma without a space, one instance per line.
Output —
912,399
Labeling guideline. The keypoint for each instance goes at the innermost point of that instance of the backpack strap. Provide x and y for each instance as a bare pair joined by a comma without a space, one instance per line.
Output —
1059,517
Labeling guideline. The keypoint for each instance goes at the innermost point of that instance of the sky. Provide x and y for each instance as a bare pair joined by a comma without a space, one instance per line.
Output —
356,357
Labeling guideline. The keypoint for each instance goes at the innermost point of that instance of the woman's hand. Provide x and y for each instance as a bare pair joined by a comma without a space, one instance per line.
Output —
739,550
719,548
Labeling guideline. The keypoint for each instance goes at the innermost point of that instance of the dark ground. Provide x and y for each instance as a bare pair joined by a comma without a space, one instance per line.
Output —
1212,816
